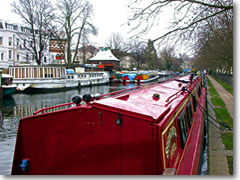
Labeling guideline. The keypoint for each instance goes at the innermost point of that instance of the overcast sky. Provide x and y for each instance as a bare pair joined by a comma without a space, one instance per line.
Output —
110,16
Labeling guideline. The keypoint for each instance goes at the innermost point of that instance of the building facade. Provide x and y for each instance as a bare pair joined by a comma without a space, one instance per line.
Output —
14,46
57,51
84,53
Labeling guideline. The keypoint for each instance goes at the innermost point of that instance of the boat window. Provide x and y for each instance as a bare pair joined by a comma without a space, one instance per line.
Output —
183,128
199,91
6,81
196,93
194,102
189,112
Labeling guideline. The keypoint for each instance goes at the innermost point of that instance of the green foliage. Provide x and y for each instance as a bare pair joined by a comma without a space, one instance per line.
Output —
225,116
230,164
216,101
151,55
227,138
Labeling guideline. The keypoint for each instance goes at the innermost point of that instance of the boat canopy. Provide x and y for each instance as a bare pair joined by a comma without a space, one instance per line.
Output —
69,71
130,76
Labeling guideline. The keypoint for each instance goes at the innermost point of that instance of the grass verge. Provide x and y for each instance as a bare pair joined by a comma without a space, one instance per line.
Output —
217,101
227,138
224,116
230,164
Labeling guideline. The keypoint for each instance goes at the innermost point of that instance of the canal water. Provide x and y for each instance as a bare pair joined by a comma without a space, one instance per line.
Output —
13,108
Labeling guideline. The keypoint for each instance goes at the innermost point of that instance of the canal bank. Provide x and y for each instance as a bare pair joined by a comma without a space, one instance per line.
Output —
218,154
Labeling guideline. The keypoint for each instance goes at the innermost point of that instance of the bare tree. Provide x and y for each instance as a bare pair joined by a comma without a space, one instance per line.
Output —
215,48
137,50
116,41
75,20
188,16
117,45
38,16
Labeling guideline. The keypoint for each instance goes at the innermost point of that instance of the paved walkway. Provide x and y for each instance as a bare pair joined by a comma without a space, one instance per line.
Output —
217,153
224,94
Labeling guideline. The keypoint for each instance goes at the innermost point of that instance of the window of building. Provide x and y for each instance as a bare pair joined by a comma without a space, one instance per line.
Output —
15,27
1,25
45,59
10,41
24,42
1,40
2,56
31,43
22,29
27,57
18,57
18,42
9,26
10,54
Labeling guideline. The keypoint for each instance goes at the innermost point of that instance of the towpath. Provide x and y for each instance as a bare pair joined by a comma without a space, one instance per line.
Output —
224,94
217,153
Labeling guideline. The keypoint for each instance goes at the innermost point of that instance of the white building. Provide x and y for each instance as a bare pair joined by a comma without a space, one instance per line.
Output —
13,46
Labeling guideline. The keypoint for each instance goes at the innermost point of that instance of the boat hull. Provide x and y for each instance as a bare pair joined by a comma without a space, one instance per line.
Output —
8,91
136,132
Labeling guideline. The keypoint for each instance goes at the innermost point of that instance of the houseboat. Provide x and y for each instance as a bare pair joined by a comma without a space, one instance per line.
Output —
115,77
86,78
139,77
53,78
8,88
37,78
153,129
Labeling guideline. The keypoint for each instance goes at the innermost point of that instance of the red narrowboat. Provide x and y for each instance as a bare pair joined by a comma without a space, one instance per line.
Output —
155,129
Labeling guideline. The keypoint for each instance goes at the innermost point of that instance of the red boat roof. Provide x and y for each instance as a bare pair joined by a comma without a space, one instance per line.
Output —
142,101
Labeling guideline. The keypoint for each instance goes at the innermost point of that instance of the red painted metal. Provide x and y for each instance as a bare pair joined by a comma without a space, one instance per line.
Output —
187,166
51,108
128,132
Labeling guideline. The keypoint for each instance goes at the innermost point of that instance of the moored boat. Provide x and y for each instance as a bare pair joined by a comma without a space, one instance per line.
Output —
146,77
38,78
53,78
86,79
115,77
147,130
139,77
8,88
